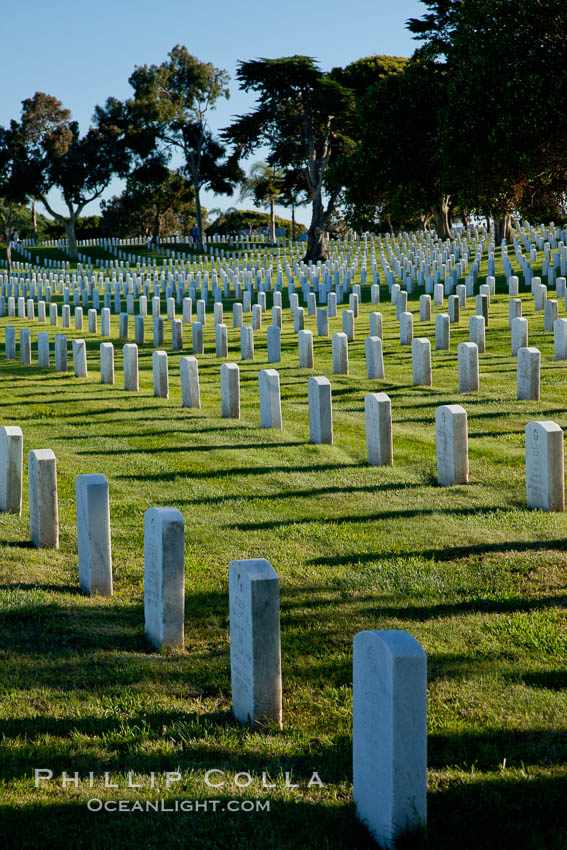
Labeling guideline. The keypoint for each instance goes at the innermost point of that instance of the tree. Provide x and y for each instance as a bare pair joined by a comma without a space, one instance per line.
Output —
264,184
12,192
363,73
171,102
303,116
504,126
152,191
54,155
398,166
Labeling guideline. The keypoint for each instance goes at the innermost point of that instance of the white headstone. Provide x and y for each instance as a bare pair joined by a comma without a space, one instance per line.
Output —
375,324
270,399
406,328
378,415
339,346
247,342
42,483
43,350
221,340
348,324
164,577
467,358
197,338
230,391
190,390
274,344
105,321
560,339
80,358
477,333
61,353
305,345
389,733
529,360
442,332
550,314
322,321
255,655
237,316
176,334
106,363
374,358
320,410
160,374
519,335
545,485
421,362
452,445
11,469
130,361
514,310
93,534
425,308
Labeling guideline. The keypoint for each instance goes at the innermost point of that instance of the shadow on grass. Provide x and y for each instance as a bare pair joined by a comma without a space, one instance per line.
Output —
375,517
244,470
449,554
201,448
18,544
49,588
552,680
288,825
302,494
499,814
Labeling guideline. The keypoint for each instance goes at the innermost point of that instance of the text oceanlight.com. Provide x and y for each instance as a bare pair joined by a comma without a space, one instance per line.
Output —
194,806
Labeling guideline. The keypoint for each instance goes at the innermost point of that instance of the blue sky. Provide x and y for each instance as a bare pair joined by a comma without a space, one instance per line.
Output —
83,52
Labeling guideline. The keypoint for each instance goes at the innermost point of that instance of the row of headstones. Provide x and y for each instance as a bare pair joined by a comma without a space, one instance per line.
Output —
544,454
398,270
528,359
478,323
399,298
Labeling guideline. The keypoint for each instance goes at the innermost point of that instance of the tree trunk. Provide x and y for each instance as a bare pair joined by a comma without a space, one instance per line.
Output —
9,252
293,222
69,224
316,243
155,230
503,229
198,214
440,215
272,221
34,221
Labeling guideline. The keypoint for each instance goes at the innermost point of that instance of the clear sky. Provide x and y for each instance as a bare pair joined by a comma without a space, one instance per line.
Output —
83,52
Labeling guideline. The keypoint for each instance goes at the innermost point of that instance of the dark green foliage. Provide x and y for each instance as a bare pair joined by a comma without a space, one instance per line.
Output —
303,116
156,202
169,113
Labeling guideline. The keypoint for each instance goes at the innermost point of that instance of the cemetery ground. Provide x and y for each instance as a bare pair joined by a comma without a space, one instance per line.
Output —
477,578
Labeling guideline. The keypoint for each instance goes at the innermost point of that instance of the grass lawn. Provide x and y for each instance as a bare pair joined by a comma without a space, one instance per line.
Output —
474,576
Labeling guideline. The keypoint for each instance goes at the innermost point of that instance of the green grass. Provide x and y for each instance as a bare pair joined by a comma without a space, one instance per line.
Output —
474,576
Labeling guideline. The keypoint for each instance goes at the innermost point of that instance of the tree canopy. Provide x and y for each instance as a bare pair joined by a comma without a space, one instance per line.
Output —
54,155
169,112
303,116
